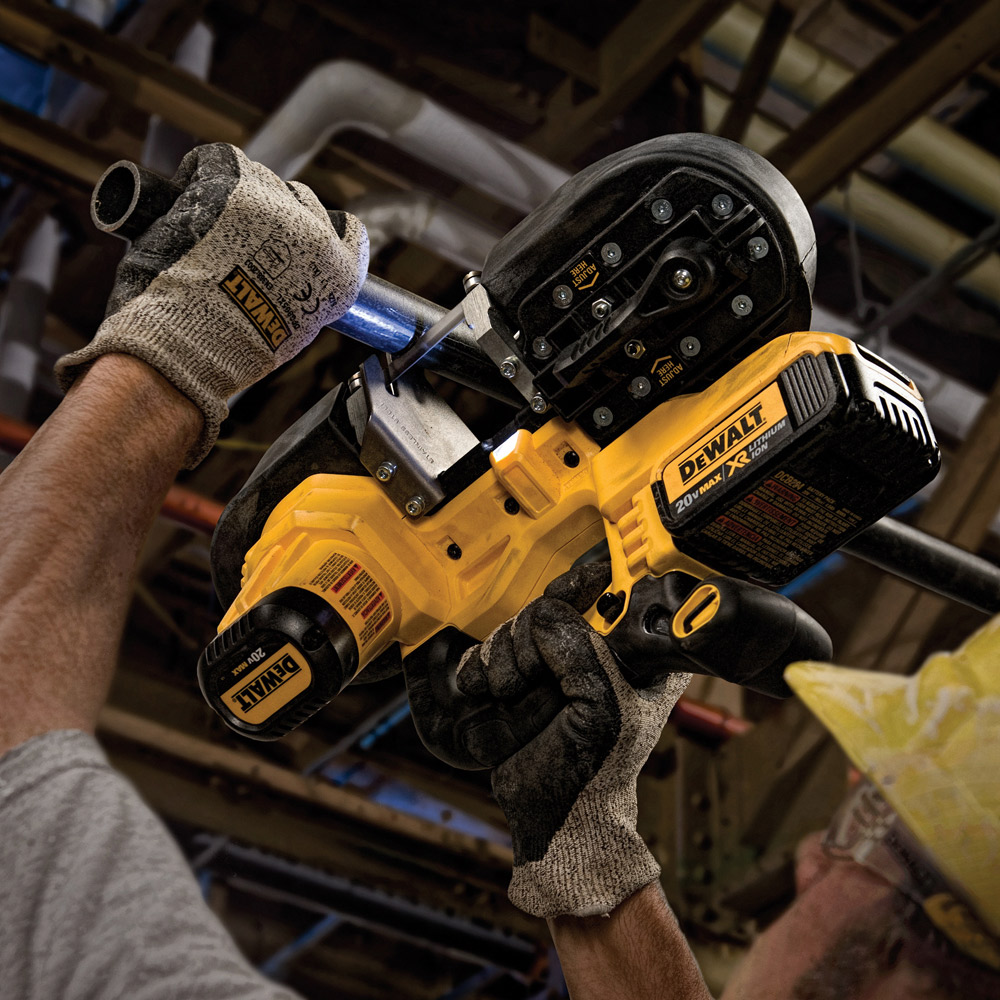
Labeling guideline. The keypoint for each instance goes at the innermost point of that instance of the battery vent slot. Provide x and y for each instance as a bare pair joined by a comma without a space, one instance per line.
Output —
225,640
902,414
805,389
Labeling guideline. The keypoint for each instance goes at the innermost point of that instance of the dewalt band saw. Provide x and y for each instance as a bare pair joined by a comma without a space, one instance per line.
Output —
644,324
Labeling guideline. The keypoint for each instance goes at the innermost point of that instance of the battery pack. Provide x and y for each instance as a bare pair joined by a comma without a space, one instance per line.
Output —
833,443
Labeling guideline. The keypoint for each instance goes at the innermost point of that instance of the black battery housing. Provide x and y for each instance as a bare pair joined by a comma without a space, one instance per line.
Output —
278,664
858,444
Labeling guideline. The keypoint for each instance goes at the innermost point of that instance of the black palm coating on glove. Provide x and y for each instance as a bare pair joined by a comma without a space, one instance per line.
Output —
568,790
581,586
471,717
537,786
208,174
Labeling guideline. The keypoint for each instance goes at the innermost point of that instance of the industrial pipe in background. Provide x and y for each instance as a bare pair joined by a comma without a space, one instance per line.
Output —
810,76
22,316
343,94
428,222
166,144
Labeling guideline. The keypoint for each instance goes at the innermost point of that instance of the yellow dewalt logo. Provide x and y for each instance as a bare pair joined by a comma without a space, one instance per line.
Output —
725,446
270,687
256,305
723,442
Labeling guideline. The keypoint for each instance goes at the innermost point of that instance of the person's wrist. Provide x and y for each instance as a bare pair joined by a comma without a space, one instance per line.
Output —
141,393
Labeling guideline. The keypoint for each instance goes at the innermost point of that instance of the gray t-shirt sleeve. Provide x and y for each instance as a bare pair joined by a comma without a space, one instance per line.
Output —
96,899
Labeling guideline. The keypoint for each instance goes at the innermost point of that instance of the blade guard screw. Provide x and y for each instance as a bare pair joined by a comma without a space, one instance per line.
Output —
661,210
385,471
639,387
682,279
509,367
562,296
611,253
415,506
603,417
722,205
742,305
538,404
541,347
690,347
757,247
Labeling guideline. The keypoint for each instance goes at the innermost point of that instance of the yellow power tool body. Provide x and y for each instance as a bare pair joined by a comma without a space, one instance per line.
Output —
792,452
642,323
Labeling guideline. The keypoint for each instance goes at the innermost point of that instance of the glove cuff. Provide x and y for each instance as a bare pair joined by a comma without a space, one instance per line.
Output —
155,336
586,874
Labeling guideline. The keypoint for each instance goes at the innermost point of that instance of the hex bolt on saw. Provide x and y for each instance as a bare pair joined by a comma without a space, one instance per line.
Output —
643,325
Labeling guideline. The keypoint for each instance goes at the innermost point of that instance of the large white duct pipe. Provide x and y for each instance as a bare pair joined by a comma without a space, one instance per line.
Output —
884,216
428,222
22,316
343,95
166,144
810,77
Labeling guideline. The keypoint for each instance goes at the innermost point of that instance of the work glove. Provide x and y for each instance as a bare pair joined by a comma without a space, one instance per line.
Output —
239,276
569,790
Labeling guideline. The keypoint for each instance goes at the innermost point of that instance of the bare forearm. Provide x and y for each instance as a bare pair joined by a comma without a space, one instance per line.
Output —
637,952
75,507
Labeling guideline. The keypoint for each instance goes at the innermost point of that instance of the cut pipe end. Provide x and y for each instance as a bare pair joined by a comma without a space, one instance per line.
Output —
115,196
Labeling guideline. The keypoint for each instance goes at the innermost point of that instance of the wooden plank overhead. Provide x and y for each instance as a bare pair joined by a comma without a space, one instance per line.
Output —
320,795
757,71
644,44
41,146
134,75
882,99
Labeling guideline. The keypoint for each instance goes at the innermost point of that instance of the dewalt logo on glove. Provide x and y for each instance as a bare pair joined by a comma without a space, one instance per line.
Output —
256,305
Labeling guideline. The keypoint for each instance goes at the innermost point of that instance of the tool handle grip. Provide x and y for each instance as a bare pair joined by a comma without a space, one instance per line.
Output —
719,626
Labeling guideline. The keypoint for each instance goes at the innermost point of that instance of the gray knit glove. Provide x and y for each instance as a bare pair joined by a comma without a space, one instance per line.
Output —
239,276
569,795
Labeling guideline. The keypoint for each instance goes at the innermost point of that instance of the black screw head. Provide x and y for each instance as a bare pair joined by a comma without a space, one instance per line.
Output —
511,506
454,551
571,459
609,606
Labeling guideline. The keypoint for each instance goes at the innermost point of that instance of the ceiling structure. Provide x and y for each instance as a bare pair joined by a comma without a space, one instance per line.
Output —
346,860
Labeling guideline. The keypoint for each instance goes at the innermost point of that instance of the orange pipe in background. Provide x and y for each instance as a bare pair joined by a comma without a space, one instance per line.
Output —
200,513
13,434
696,717
181,505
